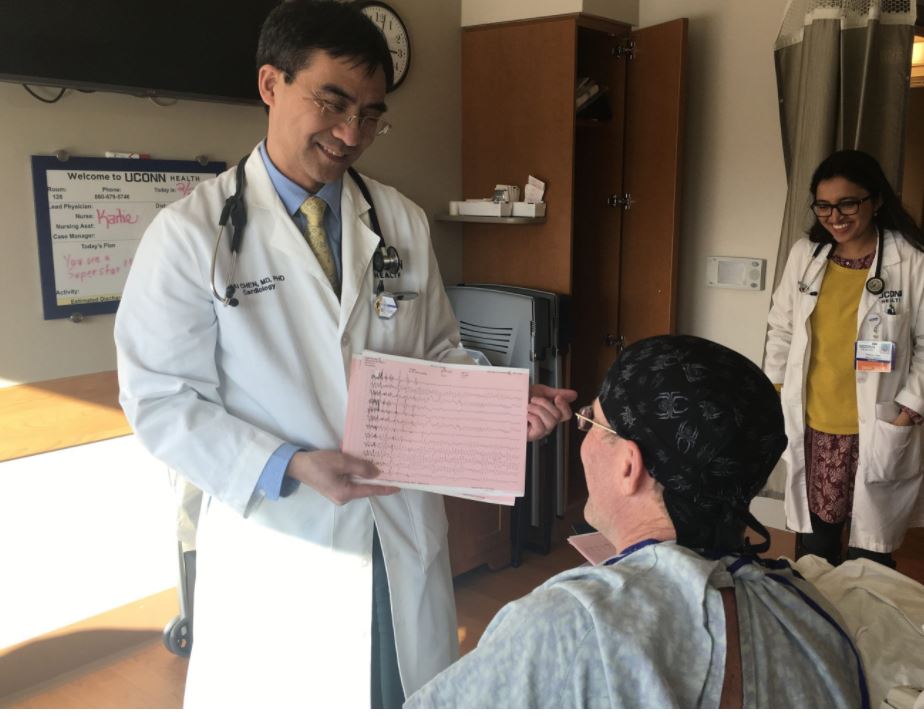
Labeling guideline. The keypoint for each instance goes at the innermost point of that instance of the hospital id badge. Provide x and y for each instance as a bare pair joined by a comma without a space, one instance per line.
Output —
874,356
385,305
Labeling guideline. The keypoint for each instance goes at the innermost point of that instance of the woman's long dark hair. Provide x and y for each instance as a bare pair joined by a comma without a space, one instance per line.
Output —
862,169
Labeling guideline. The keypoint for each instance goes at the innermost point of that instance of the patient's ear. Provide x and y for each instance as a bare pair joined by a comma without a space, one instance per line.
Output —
632,472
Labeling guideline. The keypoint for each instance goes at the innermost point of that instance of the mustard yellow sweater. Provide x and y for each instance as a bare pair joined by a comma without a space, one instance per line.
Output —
831,392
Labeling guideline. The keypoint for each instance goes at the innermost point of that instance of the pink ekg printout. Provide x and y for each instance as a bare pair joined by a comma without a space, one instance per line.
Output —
594,547
454,429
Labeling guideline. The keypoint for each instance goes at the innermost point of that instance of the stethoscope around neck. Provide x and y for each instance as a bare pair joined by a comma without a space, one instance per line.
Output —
386,263
875,285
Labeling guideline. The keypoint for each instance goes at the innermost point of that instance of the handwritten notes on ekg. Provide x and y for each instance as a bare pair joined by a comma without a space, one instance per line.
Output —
455,429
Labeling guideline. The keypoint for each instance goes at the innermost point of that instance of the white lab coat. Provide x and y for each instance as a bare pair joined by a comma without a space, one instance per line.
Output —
887,494
283,597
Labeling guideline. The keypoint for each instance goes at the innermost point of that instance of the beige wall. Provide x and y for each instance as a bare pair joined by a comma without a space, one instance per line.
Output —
734,183
421,157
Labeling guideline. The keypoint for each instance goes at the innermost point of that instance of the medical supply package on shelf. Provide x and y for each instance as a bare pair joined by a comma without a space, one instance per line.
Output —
529,209
485,207
505,201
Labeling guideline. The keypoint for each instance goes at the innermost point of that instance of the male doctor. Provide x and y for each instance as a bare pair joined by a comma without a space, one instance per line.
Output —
302,574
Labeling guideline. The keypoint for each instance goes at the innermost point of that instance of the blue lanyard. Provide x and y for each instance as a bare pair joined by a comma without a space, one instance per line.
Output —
630,549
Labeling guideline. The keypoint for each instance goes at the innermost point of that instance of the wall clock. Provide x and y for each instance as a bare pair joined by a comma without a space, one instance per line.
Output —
396,35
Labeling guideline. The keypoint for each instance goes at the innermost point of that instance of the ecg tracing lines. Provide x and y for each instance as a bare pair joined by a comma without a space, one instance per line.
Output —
456,428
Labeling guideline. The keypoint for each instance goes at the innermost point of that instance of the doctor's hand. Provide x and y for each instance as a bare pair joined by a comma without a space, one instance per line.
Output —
903,420
547,408
329,472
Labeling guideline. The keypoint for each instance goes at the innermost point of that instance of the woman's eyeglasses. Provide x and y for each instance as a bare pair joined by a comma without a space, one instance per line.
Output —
846,207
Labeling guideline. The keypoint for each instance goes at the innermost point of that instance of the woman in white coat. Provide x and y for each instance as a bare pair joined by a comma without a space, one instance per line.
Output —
846,345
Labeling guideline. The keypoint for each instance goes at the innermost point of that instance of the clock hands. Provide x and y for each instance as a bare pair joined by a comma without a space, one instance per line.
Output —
395,33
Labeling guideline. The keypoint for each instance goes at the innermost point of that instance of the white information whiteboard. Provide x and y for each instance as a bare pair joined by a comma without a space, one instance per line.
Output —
90,215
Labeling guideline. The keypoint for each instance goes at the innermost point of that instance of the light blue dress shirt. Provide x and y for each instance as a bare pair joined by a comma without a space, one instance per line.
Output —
271,483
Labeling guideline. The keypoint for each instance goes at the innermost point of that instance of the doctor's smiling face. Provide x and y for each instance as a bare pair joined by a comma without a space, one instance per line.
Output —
322,119
846,210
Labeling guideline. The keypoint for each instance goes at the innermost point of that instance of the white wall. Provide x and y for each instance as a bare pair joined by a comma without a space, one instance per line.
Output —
422,157
734,181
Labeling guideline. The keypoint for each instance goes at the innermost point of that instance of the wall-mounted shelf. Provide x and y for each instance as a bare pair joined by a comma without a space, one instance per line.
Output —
491,219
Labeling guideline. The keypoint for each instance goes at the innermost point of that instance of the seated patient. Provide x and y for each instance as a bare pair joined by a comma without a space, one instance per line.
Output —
682,436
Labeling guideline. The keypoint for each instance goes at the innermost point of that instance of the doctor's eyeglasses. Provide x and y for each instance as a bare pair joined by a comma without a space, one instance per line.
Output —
369,126
847,207
585,420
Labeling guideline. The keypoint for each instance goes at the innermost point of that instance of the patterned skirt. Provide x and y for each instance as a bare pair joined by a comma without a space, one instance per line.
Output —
831,469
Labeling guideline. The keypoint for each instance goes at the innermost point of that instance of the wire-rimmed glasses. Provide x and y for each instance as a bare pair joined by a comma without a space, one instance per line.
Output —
585,420
369,125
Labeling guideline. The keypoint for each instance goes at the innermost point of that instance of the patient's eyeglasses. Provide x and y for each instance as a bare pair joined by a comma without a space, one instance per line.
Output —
585,420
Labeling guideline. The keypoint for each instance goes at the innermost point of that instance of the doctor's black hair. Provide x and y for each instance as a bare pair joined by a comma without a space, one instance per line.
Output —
294,29
862,169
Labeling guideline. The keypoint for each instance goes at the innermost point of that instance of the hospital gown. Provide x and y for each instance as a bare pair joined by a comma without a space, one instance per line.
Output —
649,631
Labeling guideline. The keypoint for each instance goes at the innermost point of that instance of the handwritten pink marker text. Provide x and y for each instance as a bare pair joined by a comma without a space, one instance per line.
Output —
119,217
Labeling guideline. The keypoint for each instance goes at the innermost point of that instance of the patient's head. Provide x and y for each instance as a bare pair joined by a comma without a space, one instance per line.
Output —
702,428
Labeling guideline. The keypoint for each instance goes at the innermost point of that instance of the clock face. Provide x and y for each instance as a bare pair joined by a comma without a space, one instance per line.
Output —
396,36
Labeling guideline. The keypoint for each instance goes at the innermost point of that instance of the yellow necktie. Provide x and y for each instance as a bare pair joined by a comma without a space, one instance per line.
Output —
313,209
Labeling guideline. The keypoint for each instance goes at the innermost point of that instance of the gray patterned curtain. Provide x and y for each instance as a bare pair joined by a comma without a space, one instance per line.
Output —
843,72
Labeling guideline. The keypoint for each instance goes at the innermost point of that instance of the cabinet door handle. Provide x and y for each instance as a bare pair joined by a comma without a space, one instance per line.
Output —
623,201
617,342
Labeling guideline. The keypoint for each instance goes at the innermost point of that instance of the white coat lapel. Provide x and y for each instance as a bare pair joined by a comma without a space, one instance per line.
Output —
358,244
891,276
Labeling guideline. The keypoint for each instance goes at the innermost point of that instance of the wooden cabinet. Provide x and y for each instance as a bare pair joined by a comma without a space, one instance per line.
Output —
618,265
478,534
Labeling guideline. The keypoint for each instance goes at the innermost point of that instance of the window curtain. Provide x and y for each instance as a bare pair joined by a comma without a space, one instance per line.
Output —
843,72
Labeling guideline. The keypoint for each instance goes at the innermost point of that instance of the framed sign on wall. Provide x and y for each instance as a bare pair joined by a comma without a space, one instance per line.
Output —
90,214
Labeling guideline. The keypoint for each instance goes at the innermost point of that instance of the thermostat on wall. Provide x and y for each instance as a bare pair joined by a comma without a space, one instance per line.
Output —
731,272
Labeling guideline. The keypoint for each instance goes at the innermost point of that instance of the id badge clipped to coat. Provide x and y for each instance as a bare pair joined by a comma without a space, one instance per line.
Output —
874,356
386,303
